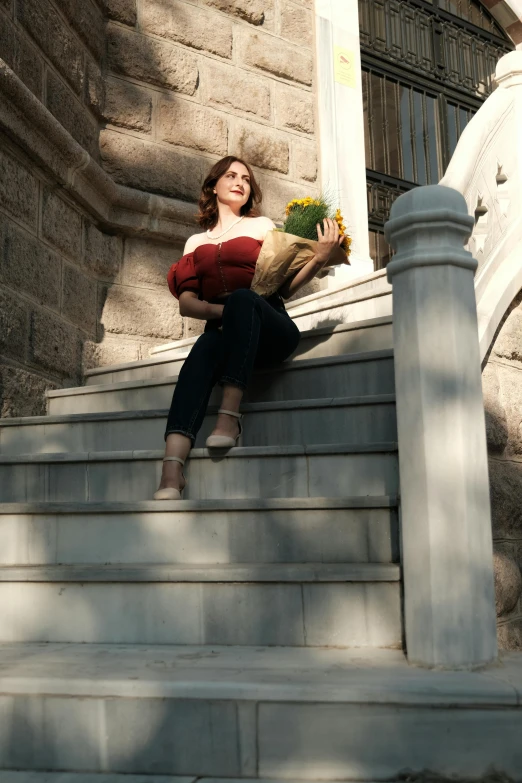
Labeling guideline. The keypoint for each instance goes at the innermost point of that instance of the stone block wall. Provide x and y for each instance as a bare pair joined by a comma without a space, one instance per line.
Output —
40,271
49,298
136,309
502,385
190,82
71,296
155,91
57,49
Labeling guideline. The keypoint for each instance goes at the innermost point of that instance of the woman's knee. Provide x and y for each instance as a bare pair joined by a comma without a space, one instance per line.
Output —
241,296
240,301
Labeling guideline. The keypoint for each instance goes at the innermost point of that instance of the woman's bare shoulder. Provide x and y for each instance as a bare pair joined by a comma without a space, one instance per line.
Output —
262,224
193,242
264,221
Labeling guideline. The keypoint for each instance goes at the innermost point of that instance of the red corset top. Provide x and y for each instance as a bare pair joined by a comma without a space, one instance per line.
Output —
212,271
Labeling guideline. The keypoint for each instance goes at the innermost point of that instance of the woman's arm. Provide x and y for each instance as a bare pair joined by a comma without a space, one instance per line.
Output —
302,277
192,307
326,244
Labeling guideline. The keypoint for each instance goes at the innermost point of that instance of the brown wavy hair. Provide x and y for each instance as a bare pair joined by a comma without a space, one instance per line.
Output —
208,214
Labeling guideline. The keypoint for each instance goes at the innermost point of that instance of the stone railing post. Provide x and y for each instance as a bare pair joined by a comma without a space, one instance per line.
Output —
445,513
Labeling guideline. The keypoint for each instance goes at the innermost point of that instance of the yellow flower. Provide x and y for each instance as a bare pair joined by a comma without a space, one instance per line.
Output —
345,244
290,206
301,202
347,241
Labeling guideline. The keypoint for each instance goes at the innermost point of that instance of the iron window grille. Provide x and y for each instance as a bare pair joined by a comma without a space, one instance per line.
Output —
427,68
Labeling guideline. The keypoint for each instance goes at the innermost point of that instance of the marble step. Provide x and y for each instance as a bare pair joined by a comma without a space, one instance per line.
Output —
262,714
348,375
359,420
291,530
360,337
25,776
244,472
118,777
370,298
327,309
311,604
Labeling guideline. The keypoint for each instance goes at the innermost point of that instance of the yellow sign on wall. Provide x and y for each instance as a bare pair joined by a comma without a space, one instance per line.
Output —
344,66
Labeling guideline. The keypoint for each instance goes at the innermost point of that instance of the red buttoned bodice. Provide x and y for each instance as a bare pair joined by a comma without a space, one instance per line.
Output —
213,271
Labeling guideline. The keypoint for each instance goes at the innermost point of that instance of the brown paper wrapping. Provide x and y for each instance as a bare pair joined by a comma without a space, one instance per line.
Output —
282,255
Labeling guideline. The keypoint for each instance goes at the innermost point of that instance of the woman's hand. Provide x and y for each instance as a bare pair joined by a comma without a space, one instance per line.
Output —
328,241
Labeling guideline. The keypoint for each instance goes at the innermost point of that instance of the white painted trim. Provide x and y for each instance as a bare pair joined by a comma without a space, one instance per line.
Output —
341,129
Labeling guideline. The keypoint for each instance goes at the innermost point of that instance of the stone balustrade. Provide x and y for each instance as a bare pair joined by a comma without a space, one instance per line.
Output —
449,602
487,169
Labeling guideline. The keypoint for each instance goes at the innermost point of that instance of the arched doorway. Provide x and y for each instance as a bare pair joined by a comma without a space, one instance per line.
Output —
426,69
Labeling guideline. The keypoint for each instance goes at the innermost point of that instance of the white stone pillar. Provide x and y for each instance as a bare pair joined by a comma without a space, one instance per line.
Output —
341,125
447,549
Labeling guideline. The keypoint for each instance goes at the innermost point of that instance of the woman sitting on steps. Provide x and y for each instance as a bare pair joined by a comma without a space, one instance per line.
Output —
243,330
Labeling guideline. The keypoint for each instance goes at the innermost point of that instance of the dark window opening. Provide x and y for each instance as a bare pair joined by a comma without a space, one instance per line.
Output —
427,68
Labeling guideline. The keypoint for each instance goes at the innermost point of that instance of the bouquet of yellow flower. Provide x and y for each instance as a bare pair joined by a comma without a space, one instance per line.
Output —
287,250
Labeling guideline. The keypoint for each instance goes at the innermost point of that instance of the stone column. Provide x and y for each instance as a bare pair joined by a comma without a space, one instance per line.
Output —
447,551
341,128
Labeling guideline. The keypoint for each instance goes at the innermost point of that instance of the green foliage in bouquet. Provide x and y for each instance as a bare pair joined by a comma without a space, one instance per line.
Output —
303,215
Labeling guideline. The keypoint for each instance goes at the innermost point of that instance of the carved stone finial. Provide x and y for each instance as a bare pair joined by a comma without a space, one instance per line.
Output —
419,215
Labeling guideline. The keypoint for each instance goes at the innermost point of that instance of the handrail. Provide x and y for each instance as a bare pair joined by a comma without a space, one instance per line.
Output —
486,168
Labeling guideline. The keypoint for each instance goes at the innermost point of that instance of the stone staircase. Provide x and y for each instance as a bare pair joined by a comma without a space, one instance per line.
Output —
253,630
297,522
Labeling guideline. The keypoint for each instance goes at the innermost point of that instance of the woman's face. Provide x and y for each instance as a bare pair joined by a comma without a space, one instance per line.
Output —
233,187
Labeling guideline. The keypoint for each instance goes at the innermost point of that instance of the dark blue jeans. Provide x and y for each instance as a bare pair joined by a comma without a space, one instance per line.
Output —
256,331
